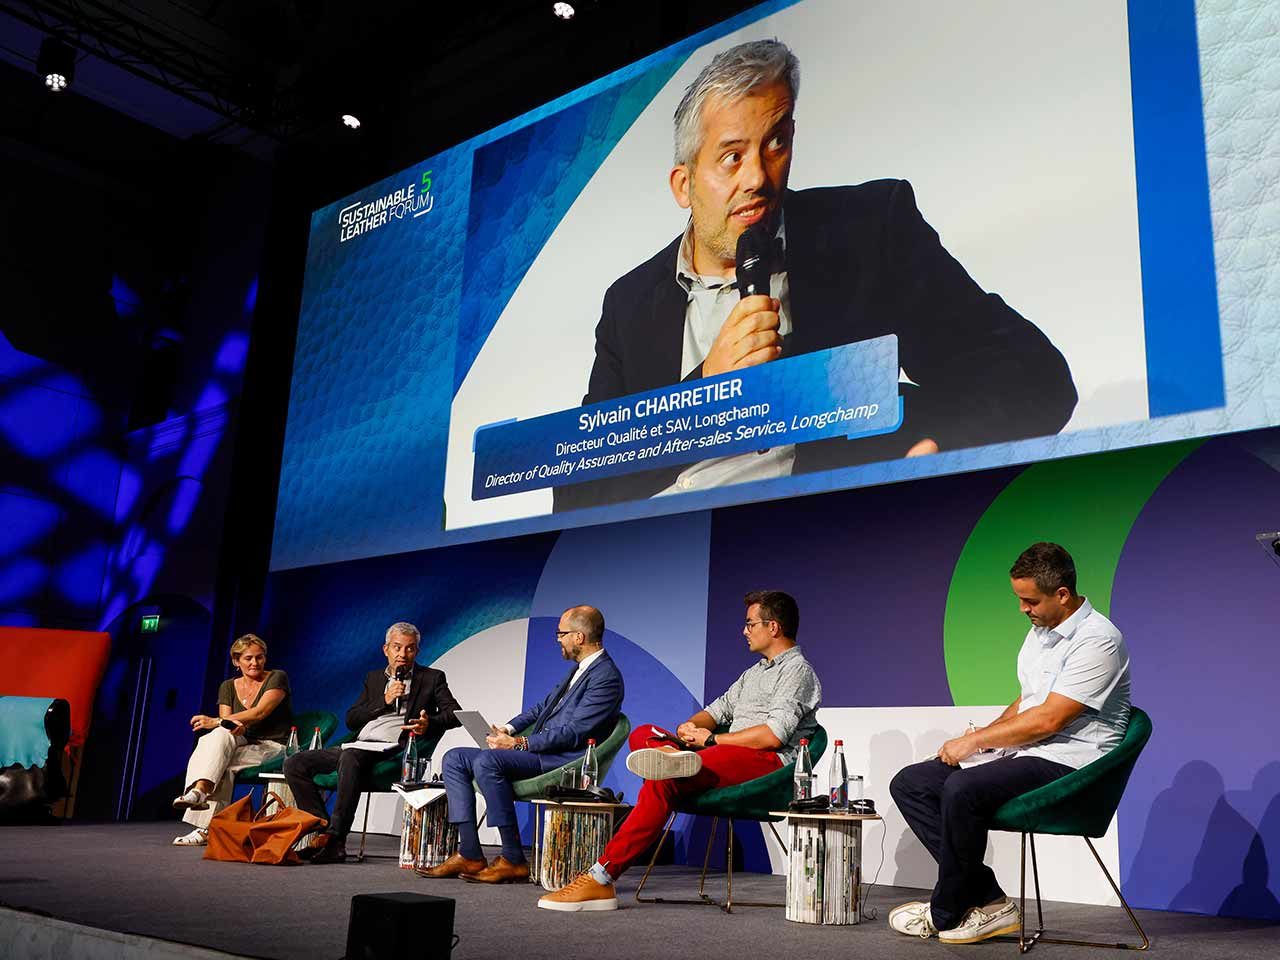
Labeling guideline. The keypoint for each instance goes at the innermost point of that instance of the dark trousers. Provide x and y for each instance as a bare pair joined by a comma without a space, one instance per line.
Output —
353,768
949,809
493,770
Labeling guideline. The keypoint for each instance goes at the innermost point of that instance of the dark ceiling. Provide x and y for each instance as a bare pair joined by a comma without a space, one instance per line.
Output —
172,98
259,74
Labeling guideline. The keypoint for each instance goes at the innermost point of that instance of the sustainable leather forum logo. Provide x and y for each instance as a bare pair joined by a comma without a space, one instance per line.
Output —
409,202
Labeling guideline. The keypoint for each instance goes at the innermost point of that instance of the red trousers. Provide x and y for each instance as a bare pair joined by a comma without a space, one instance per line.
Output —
722,766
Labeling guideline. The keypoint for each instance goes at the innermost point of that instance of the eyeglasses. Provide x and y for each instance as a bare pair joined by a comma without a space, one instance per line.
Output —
565,633
748,624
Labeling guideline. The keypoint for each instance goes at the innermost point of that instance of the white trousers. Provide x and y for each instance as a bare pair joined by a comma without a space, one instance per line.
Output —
216,758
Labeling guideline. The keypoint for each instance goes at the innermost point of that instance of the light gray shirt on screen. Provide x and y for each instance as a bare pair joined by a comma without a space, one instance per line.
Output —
782,693
711,300
1083,658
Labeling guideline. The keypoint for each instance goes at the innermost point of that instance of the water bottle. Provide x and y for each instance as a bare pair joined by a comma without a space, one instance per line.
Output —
590,767
839,779
409,766
804,773
317,741
292,747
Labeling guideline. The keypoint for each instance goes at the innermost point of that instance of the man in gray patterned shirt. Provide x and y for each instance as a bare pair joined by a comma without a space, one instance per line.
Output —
768,711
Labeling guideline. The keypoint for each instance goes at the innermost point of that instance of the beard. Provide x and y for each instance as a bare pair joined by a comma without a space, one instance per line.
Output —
720,238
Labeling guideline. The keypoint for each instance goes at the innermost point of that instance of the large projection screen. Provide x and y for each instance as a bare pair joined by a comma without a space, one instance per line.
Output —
997,236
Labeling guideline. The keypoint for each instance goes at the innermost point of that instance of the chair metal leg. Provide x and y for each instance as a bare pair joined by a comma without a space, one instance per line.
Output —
729,904
1025,944
1035,876
777,836
706,857
703,898
649,869
364,830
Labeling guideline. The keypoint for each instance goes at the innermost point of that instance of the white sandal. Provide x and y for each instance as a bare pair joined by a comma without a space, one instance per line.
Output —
193,799
196,838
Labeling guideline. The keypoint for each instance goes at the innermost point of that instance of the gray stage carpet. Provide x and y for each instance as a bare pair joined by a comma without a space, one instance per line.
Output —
128,878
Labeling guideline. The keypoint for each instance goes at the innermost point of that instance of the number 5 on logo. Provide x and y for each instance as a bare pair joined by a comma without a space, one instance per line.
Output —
426,182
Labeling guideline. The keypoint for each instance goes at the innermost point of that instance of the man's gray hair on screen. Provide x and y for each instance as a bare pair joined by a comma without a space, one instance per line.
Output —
405,630
732,74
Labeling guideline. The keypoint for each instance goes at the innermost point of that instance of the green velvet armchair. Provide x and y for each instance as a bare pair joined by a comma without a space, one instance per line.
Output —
379,779
532,788
606,753
306,722
753,800
1081,804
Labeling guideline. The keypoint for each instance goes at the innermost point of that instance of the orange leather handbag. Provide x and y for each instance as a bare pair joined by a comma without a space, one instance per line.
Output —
239,835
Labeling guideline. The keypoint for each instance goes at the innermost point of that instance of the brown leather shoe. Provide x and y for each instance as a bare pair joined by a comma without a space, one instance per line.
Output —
454,866
501,870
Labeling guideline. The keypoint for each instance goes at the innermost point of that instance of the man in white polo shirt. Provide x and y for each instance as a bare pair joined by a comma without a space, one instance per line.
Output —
1073,708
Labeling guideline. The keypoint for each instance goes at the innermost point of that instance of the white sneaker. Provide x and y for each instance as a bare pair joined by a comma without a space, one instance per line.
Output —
981,923
193,799
913,919
654,764
196,838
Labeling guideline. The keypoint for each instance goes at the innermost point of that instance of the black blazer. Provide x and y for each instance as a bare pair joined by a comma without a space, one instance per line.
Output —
861,262
429,691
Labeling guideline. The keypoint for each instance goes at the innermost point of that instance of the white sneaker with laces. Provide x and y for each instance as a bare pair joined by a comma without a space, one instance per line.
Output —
983,923
913,919
196,838
193,799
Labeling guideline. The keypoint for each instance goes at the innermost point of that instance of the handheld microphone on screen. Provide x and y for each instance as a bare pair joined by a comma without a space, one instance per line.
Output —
753,266
401,673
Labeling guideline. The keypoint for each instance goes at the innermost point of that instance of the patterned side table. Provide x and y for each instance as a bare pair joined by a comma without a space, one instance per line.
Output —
824,875
568,838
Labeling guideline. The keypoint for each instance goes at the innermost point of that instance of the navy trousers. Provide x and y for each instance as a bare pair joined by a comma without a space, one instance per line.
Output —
493,770
949,809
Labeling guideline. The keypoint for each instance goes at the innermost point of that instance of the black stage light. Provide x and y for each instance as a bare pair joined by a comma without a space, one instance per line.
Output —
56,63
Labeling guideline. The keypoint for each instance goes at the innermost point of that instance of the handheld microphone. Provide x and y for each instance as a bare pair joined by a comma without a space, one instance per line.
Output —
401,673
753,266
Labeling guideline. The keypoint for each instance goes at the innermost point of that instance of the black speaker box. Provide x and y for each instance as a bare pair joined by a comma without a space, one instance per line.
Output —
400,926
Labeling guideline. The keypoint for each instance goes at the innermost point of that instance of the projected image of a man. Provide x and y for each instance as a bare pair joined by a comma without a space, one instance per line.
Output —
849,263
736,179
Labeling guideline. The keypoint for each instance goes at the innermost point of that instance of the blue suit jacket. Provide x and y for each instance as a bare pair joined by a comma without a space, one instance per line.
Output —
562,723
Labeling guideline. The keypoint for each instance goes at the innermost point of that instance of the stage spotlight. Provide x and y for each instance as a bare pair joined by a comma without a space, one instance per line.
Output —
351,121
56,63
563,10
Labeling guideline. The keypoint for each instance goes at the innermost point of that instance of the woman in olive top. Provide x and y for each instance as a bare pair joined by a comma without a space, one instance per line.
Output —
252,726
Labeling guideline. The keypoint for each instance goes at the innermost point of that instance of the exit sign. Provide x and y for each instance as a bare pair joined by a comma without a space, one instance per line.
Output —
151,623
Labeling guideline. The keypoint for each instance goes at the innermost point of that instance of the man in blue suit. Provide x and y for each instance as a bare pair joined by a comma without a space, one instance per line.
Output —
584,706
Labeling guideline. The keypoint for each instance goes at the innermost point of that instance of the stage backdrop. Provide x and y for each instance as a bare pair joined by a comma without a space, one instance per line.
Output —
906,608
907,616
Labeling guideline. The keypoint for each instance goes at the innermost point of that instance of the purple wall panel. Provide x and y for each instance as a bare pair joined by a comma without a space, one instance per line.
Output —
870,569
1200,821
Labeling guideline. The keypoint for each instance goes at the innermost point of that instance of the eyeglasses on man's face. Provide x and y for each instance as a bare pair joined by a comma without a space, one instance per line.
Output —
560,634
750,624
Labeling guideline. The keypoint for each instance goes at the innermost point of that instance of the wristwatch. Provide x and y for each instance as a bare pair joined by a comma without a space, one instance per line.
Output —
710,741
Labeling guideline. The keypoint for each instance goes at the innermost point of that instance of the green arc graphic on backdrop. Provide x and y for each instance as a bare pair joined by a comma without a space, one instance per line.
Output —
1089,505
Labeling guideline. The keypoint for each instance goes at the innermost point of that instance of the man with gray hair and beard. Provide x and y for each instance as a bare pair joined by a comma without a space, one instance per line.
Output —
401,698
847,264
